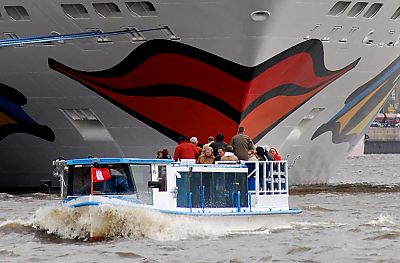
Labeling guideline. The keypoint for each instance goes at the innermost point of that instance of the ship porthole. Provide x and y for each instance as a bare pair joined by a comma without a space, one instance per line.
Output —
259,16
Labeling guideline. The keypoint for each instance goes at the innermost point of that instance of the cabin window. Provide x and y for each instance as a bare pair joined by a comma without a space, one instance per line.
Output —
107,10
162,178
339,8
142,8
141,174
17,13
220,189
75,10
373,10
357,9
119,183
396,14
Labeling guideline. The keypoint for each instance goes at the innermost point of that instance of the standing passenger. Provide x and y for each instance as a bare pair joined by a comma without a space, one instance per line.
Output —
241,144
229,155
198,149
185,150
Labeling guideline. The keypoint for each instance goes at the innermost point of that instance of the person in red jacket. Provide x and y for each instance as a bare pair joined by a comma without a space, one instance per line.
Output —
275,153
185,150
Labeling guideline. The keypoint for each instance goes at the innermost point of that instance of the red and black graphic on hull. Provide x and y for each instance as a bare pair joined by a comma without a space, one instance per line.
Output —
181,90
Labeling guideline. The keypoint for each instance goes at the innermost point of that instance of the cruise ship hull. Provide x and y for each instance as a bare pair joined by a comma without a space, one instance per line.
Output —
297,75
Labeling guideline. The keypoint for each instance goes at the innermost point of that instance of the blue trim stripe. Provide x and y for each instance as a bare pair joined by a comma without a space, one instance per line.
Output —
233,213
86,204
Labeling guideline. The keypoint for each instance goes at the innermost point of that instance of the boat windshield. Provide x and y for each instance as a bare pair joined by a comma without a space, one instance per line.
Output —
118,183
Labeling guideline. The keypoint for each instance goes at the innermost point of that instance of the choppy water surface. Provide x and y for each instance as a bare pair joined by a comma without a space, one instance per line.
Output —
355,218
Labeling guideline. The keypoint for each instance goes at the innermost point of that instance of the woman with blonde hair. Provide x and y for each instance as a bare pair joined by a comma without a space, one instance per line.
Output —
207,156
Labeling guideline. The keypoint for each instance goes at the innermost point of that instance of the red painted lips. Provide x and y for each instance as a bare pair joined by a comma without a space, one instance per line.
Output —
181,90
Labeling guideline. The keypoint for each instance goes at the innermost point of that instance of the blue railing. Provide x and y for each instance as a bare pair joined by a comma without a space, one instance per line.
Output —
74,36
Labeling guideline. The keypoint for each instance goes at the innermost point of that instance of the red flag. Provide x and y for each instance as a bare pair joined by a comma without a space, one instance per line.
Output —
100,174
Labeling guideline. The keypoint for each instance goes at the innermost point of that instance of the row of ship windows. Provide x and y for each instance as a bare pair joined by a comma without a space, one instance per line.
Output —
75,11
340,7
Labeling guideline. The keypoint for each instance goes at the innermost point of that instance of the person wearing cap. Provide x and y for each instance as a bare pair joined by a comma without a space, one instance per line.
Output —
185,150
241,144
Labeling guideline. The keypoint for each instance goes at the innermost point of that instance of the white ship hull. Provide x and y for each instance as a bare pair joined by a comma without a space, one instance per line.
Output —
319,80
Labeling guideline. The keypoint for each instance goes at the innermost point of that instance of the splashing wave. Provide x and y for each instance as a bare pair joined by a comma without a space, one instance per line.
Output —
69,223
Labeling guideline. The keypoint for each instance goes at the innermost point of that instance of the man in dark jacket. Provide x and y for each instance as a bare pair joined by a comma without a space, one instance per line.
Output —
242,144
219,141
185,150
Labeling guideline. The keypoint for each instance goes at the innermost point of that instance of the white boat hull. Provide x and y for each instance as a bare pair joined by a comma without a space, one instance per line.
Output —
105,217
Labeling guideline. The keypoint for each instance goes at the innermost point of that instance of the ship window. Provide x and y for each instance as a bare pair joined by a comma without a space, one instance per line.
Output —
17,13
357,9
259,16
396,14
100,38
142,8
107,10
373,10
339,8
75,10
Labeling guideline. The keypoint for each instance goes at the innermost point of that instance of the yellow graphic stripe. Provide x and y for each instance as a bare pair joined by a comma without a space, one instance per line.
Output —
358,129
353,111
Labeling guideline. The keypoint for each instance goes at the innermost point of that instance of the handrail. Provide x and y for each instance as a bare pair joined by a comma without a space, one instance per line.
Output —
74,36
271,177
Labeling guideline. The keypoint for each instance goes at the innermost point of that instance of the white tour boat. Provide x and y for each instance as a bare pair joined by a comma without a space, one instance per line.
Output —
246,196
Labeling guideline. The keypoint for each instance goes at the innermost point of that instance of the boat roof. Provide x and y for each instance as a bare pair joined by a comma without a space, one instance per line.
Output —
111,160
89,161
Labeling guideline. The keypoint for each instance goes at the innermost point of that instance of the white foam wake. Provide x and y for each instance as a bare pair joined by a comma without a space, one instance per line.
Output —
382,220
114,221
